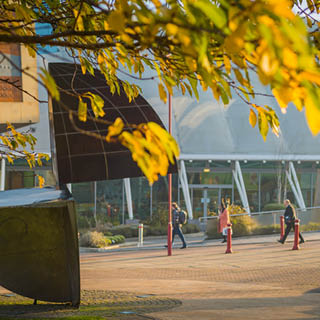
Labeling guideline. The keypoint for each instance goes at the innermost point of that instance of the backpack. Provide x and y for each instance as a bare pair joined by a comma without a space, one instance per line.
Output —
183,218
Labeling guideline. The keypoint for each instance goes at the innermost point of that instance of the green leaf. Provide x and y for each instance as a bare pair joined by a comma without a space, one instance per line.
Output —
263,124
214,13
50,84
97,103
194,84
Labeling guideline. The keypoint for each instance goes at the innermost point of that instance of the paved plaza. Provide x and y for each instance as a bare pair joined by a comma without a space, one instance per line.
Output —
260,280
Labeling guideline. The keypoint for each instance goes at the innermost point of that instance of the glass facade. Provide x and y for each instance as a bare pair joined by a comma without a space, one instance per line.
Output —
266,187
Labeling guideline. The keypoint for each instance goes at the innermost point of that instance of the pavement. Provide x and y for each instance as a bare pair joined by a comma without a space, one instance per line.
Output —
261,279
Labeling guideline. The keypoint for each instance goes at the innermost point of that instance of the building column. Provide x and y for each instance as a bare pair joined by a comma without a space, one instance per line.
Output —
237,175
128,196
3,174
295,186
185,188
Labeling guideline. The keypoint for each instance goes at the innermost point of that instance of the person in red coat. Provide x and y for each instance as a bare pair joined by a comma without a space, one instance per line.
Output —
223,221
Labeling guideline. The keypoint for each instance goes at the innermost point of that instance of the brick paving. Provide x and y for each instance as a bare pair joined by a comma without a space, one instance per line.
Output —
260,280
257,281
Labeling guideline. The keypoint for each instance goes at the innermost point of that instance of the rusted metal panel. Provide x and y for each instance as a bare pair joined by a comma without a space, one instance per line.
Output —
39,253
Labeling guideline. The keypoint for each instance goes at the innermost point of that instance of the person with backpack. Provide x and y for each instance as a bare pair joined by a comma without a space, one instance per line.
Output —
289,218
178,218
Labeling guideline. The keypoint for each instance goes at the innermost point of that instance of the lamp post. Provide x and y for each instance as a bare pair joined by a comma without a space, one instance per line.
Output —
170,194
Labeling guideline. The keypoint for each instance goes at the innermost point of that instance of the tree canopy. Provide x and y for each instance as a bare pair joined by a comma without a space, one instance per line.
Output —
190,44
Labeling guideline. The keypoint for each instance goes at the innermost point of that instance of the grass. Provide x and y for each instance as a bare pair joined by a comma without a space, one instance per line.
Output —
95,305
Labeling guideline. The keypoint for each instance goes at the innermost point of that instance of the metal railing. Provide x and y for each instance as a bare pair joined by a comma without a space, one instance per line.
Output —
261,213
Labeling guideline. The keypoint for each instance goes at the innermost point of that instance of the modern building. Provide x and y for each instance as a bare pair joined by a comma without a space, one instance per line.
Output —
222,156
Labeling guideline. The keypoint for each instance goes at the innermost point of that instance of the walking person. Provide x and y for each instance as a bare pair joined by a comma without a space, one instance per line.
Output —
176,225
289,219
224,219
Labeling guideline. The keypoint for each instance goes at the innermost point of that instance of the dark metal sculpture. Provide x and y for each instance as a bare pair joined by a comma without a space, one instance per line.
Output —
81,157
39,255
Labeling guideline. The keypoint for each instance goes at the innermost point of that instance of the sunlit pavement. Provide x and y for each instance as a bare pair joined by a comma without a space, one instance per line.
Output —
262,279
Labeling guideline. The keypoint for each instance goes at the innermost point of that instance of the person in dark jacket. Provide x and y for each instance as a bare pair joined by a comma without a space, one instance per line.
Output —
176,226
289,218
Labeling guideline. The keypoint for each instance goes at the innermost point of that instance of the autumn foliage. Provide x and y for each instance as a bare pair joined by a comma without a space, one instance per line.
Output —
190,44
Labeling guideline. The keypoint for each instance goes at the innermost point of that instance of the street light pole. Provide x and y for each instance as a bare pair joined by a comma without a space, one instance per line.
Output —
170,193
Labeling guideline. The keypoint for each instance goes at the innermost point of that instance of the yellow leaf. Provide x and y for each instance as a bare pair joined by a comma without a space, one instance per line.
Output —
115,129
283,96
263,124
41,181
82,110
268,65
252,118
10,160
227,63
162,93
310,76
290,59
116,21
312,114
172,29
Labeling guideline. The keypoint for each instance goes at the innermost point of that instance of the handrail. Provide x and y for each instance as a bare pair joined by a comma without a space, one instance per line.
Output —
257,213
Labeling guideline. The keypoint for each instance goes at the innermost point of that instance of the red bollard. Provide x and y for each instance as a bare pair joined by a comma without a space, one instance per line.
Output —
229,239
281,227
296,235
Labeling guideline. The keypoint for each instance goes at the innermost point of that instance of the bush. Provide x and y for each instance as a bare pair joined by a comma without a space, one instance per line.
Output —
241,226
190,228
83,222
311,226
93,240
212,229
105,228
119,238
269,229
126,231
159,217
273,207
155,230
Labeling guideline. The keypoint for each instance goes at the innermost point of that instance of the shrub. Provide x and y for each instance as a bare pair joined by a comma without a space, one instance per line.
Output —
269,229
155,230
311,226
190,228
159,217
116,239
126,231
105,228
83,222
212,229
273,207
93,240
242,225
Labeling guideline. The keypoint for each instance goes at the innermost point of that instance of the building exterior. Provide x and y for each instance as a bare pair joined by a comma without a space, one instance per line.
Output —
222,156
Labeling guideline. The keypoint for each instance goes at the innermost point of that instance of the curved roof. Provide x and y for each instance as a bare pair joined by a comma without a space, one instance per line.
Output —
206,129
